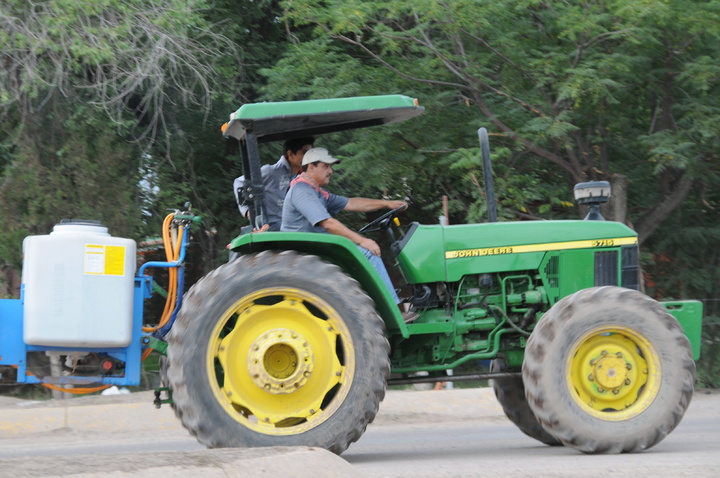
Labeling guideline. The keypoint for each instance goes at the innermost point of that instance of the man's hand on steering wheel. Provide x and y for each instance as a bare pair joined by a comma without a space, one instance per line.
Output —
383,222
397,204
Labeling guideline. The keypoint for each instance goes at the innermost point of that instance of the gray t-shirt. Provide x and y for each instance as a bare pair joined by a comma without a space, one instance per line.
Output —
276,181
305,207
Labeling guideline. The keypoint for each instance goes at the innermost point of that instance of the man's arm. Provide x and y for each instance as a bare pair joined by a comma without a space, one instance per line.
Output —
366,205
333,226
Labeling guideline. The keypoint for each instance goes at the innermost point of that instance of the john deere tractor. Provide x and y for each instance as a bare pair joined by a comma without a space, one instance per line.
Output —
295,340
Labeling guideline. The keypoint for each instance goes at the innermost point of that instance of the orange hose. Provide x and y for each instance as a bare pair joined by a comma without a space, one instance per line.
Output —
172,254
75,391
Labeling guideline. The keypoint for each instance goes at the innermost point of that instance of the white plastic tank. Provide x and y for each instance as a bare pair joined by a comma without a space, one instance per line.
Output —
78,284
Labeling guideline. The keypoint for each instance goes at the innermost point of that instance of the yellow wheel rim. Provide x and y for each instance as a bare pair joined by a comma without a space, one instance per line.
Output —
281,361
614,373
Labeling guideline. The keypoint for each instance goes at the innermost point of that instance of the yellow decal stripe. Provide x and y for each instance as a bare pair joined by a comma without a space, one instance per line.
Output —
551,246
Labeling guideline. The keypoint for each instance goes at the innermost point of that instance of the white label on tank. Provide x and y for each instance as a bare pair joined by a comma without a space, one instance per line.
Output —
104,260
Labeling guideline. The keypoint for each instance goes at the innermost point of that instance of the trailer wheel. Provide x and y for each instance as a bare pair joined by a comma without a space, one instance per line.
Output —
510,392
608,370
277,349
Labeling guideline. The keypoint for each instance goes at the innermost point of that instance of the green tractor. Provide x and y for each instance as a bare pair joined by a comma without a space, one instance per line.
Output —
294,341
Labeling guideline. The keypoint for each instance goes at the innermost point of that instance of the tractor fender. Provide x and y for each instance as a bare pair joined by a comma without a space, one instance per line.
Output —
334,249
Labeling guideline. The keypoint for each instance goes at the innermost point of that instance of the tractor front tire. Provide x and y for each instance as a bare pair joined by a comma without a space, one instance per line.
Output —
510,392
608,370
277,349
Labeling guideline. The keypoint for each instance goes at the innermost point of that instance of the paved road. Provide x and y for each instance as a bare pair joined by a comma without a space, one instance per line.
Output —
460,433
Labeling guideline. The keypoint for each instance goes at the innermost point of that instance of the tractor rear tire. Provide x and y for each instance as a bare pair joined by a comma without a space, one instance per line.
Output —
608,370
510,392
277,349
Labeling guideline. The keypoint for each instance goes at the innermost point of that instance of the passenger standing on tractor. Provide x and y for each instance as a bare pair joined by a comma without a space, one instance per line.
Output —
310,208
276,181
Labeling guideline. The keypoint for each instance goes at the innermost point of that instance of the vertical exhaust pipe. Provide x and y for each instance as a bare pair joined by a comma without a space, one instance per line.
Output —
488,175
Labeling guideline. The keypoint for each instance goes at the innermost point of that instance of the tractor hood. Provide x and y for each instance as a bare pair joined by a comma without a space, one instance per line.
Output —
274,121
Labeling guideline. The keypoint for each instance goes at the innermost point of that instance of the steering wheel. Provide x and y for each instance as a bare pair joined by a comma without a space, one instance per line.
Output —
382,222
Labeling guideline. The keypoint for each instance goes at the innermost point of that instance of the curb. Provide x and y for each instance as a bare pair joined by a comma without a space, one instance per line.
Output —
82,414
297,462
135,412
135,415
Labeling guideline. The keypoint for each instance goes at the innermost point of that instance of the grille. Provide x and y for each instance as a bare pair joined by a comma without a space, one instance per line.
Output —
630,267
551,272
606,268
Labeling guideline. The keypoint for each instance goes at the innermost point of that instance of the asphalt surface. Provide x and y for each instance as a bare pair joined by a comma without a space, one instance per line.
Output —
135,413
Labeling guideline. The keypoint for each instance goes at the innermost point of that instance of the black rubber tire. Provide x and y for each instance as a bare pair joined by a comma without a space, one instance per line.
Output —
510,392
200,392
592,397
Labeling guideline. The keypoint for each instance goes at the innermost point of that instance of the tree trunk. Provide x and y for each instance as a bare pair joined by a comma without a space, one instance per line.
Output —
616,208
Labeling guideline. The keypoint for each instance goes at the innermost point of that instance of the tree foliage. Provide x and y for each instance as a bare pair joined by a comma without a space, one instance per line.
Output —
90,95
67,171
596,90
117,55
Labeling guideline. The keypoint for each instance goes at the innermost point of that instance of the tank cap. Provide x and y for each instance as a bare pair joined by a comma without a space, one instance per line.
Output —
80,222
84,226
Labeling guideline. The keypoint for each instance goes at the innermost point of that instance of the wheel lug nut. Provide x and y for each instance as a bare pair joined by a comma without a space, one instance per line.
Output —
616,391
601,390
590,377
619,354
629,366
627,381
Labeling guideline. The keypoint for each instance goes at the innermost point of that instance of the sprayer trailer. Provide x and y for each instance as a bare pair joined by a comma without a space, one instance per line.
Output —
294,341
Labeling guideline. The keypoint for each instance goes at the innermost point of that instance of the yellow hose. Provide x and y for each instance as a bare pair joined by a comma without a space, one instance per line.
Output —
172,253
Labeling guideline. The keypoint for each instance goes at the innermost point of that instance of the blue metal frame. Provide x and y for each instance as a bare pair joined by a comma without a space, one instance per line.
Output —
13,350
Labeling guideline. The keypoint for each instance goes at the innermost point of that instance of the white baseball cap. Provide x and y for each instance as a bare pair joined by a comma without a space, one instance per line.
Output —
314,155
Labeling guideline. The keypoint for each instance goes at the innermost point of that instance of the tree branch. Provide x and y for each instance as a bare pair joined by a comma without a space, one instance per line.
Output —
530,146
469,80
661,210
